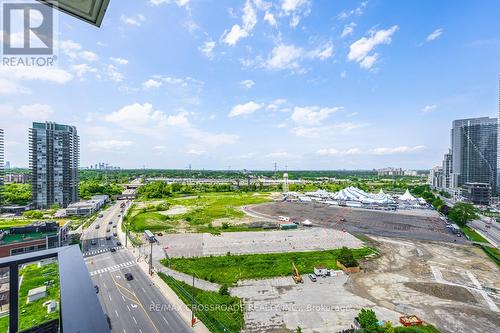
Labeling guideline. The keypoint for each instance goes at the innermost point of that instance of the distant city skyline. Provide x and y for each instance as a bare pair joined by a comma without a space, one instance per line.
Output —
306,84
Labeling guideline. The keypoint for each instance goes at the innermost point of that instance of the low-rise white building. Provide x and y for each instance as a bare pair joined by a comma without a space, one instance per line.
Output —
88,207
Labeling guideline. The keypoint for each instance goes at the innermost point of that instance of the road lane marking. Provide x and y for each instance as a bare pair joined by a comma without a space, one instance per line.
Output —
136,301
117,314
128,307
135,321
164,320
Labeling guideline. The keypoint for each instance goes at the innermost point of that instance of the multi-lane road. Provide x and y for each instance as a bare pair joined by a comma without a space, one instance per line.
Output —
132,306
492,232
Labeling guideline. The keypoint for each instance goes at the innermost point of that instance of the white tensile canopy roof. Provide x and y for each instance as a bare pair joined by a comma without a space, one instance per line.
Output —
407,196
356,194
307,222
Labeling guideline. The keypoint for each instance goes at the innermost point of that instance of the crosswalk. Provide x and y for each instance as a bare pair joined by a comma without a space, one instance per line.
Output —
95,252
113,268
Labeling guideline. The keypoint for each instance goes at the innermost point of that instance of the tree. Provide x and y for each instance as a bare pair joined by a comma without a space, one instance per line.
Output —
346,257
299,330
437,203
462,213
33,214
388,328
224,290
368,320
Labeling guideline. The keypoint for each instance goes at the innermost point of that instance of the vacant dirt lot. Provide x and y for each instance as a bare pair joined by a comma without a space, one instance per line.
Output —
451,286
415,224
448,285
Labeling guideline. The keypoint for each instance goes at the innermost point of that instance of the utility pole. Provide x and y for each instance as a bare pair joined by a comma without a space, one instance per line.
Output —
151,259
193,305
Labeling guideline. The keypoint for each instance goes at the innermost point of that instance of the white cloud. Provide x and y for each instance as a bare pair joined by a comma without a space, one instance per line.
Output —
160,147
374,151
335,152
36,111
356,11
368,61
107,145
208,49
194,151
234,35
137,117
429,108
249,16
348,29
434,35
119,61
149,84
133,20
285,57
359,49
292,5
88,56
311,115
179,120
242,109
323,52
237,32
278,105
50,74
343,74
269,18
8,87
397,150
247,83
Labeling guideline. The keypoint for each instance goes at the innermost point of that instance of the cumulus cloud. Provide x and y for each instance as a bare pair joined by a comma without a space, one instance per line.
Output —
434,35
285,57
119,61
397,150
208,49
311,115
243,109
135,20
36,111
429,108
360,49
150,84
374,151
269,18
247,83
348,29
137,117
237,32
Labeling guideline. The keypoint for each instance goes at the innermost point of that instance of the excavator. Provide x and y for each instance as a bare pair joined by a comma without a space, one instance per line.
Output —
296,276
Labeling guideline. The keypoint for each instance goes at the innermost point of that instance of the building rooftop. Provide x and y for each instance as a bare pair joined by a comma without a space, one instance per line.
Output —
16,238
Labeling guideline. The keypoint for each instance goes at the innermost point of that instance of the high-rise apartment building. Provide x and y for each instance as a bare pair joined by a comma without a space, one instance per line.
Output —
474,147
498,141
1,165
54,160
447,171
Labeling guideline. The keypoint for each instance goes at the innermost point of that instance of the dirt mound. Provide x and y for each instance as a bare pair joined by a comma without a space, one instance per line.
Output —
444,291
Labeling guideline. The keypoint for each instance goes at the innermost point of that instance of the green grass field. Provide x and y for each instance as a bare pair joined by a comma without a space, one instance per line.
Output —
202,210
35,313
219,313
473,235
231,268
494,254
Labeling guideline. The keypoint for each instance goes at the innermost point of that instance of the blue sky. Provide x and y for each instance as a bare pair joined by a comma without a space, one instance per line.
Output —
306,84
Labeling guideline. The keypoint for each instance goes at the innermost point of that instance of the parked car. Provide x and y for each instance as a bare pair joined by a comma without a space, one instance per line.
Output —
97,226
115,234
100,215
118,243
110,222
108,230
114,226
96,287
93,242
108,237
113,249
129,276
312,277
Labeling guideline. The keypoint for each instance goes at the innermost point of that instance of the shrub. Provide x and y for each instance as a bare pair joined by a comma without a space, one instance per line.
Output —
224,290
346,257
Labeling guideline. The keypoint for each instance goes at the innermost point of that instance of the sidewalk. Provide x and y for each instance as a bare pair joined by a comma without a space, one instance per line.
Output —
173,299
200,284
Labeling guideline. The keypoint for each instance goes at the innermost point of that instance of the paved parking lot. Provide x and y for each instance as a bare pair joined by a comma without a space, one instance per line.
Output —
414,224
316,239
